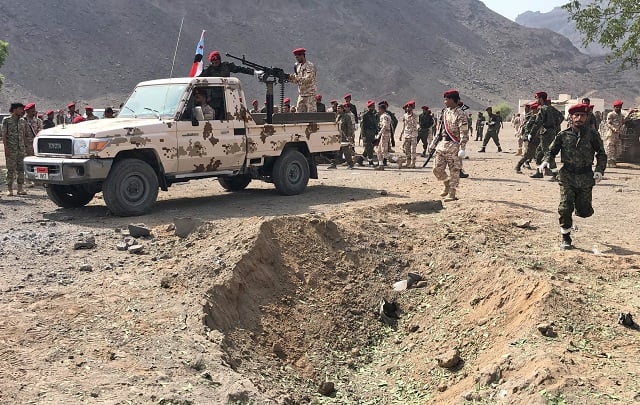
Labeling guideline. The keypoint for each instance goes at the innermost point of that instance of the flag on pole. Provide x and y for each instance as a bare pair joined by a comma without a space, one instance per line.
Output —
196,69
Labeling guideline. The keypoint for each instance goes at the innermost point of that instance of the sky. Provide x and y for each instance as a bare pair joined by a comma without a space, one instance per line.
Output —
512,8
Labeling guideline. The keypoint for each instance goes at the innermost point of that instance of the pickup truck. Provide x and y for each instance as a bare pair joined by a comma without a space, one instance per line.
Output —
162,137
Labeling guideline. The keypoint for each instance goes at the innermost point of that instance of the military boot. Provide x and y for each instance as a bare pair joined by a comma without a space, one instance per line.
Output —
9,189
446,189
566,241
499,149
370,163
21,190
452,196
463,175
537,175
548,172
482,150
384,162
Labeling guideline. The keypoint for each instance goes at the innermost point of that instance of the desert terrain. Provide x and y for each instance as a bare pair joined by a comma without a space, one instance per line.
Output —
274,299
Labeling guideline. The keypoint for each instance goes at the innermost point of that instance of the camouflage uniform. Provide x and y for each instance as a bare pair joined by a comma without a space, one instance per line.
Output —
345,126
576,177
384,136
479,127
425,120
544,124
612,140
410,133
13,131
493,128
368,131
531,145
34,126
305,77
447,150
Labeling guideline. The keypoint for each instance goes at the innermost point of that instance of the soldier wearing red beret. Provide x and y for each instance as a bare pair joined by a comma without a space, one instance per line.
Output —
614,124
410,133
578,144
546,125
305,78
320,107
49,122
217,68
34,126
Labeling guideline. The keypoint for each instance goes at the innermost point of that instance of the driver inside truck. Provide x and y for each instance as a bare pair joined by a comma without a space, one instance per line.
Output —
200,100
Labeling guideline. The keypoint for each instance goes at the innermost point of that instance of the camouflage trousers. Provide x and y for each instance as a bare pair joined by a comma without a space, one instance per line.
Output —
409,148
15,166
306,103
574,198
613,147
491,134
479,133
369,152
424,137
28,145
383,147
447,156
528,154
543,148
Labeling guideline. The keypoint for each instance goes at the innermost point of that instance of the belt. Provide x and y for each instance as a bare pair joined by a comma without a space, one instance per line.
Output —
576,170
447,138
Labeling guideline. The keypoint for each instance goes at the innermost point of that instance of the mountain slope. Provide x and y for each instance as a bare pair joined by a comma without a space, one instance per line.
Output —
373,49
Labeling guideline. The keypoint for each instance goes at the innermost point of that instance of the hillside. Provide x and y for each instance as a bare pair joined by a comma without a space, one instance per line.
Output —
97,52
557,20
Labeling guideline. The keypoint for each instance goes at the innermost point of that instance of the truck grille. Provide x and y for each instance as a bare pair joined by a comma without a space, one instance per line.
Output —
55,146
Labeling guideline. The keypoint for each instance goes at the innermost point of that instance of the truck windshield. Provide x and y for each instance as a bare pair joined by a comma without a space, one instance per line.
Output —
153,101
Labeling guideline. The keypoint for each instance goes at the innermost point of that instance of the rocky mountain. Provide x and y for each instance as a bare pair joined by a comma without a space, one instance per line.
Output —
557,20
97,51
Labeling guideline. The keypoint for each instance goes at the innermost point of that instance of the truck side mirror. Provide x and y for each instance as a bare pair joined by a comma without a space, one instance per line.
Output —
197,116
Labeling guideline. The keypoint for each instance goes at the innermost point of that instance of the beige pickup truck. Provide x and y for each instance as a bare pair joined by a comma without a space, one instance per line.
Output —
165,134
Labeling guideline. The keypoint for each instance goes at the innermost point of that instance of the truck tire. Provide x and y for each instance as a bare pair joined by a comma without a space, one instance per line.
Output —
131,188
69,196
291,173
235,183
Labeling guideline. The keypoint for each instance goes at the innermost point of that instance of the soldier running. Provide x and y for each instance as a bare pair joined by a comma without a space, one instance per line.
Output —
305,78
451,149
544,124
14,128
530,141
578,146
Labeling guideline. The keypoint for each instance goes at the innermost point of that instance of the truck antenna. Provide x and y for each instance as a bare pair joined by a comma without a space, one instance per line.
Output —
176,51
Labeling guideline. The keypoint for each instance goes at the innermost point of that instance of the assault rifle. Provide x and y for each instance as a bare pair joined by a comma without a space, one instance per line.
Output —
436,141
270,75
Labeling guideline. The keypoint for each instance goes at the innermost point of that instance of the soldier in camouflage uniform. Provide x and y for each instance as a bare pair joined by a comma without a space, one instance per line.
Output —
217,68
90,116
530,141
480,126
368,131
493,128
34,126
546,125
612,141
345,126
410,133
578,144
14,128
451,149
383,136
592,121
425,120
305,78
49,122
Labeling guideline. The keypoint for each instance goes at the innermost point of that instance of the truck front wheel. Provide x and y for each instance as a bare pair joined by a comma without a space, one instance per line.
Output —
131,188
291,173
69,196
235,183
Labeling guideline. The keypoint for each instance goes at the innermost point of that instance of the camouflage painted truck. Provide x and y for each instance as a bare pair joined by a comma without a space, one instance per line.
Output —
162,137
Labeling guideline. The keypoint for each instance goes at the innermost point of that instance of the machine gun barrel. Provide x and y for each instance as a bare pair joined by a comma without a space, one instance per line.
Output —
269,71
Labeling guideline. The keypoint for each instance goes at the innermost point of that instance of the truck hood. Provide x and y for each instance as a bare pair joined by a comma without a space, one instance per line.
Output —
109,128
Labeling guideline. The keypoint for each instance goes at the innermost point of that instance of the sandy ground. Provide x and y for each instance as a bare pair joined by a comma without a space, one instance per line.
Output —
275,295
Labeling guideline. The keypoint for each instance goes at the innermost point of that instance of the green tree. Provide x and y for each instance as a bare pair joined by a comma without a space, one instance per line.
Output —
4,52
614,24
504,109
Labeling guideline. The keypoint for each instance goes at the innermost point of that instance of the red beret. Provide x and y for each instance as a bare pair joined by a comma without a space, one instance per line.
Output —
29,106
333,101
213,54
580,108
71,105
299,51
49,112
346,96
371,103
346,106
540,94
254,101
88,108
617,103
451,94
287,100
78,118
534,105
411,103
425,107
318,97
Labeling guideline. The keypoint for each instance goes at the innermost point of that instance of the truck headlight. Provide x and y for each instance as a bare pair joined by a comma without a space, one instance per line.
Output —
80,147
98,145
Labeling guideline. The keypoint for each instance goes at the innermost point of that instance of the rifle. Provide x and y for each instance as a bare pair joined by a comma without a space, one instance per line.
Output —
436,141
270,76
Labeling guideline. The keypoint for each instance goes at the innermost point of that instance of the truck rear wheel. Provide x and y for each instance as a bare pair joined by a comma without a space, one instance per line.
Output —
235,183
131,188
291,173
69,196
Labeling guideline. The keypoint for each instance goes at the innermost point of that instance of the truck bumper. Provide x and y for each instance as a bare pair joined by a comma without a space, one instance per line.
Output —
66,171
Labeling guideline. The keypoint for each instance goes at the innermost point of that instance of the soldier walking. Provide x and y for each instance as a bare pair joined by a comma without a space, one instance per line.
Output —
305,78
612,141
383,136
530,141
410,133
578,145
368,131
451,149
345,127
34,126
493,128
546,124
479,126
14,128
425,120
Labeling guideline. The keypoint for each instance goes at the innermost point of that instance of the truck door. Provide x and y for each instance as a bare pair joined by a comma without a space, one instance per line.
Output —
204,146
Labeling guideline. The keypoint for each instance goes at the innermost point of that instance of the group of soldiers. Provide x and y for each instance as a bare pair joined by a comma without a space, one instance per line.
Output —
20,128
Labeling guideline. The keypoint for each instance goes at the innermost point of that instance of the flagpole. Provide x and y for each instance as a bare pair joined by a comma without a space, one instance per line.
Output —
176,51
